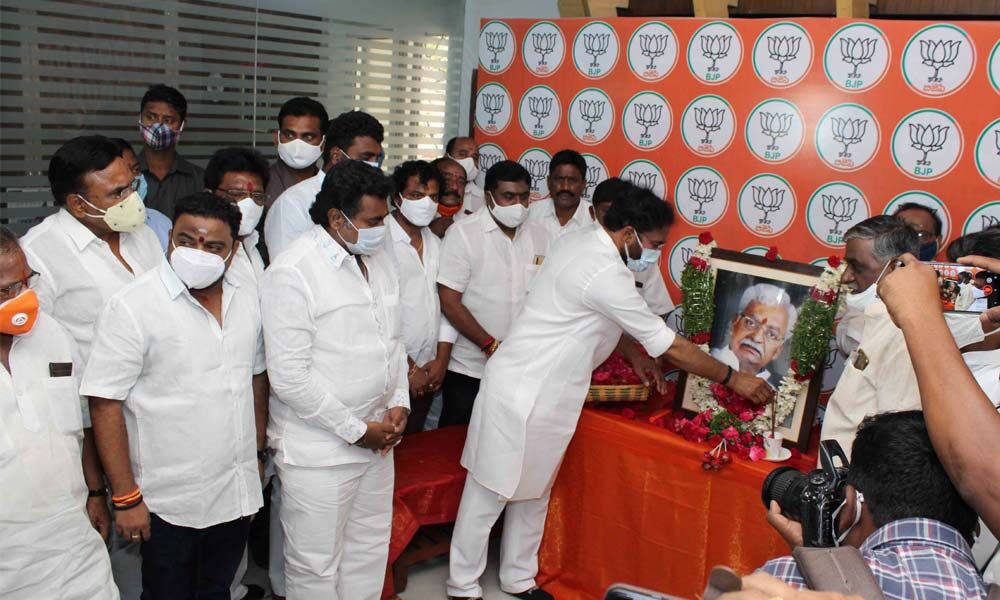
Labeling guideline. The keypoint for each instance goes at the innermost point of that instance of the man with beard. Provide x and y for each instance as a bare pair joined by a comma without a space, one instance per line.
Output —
764,321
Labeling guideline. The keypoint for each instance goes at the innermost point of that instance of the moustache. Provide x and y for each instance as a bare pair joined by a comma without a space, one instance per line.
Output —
752,345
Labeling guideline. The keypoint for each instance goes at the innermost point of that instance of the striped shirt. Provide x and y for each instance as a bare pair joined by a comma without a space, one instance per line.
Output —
912,559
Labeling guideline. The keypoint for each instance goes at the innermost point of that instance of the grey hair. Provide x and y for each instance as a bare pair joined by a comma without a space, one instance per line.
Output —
770,295
891,236
8,241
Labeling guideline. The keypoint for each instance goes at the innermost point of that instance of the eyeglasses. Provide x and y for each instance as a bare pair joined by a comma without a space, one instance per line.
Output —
771,334
237,195
8,292
125,192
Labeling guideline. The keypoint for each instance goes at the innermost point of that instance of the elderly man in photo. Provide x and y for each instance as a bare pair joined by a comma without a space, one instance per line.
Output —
760,328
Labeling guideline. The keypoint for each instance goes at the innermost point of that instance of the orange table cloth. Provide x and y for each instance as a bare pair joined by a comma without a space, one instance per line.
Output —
631,504
429,482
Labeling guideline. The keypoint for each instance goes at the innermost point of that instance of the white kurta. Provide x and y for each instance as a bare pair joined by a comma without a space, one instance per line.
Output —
534,386
288,217
48,549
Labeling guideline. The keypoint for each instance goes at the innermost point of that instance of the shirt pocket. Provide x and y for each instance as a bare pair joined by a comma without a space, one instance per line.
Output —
530,274
64,404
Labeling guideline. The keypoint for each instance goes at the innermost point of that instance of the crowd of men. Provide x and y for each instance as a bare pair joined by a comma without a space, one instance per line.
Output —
179,342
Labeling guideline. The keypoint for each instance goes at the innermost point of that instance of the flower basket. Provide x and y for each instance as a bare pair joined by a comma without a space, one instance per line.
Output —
618,393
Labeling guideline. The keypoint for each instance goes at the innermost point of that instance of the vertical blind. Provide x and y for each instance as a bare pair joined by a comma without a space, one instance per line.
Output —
76,67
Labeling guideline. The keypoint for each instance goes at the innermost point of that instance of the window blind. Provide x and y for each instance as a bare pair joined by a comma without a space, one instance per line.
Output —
76,67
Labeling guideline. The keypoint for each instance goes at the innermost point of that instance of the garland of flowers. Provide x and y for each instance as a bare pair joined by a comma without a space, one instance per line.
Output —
724,415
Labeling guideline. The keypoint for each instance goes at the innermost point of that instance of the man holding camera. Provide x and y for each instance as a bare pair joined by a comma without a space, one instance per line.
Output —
899,508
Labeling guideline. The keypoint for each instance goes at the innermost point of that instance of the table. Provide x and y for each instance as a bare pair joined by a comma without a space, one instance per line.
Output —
631,504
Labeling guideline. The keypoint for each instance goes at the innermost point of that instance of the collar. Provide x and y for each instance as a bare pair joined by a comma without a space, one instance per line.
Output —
486,219
180,165
605,237
328,247
920,530
77,231
396,232
581,215
175,287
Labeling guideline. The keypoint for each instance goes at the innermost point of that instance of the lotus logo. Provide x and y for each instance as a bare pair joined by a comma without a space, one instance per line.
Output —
487,160
540,108
538,169
996,133
592,111
646,116
652,47
493,104
702,191
774,126
596,44
708,120
643,180
990,221
857,52
714,48
839,209
927,138
593,176
939,54
544,44
831,357
783,49
848,132
496,42
767,200
686,254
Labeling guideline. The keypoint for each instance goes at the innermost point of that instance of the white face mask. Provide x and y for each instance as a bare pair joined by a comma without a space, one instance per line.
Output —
369,240
857,516
863,299
469,164
371,163
512,216
196,268
251,213
124,217
419,212
298,154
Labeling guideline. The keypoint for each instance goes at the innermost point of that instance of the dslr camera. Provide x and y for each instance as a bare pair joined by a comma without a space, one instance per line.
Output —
811,498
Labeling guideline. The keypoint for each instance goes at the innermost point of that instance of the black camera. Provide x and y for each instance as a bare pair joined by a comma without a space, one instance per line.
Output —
811,498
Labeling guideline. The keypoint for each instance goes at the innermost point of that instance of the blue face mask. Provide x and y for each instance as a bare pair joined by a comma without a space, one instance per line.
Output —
648,258
928,251
143,186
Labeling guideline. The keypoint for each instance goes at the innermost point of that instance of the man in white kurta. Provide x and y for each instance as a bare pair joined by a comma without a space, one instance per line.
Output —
534,387
48,547
339,391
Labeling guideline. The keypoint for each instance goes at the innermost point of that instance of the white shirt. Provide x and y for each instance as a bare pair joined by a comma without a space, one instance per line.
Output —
186,384
535,385
248,264
980,302
653,290
335,356
888,382
966,296
288,217
473,200
41,426
849,328
79,273
418,295
726,356
985,367
543,212
493,274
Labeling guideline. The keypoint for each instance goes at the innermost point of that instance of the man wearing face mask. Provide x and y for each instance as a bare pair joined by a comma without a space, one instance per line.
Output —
49,547
465,151
878,375
534,387
240,176
340,393
487,263
928,225
416,253
902,513
155,220
173,390
452,195
94,245
162,116
353,135
302,123
563,212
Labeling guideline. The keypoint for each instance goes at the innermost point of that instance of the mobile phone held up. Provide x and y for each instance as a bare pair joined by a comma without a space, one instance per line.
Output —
620,591
966,289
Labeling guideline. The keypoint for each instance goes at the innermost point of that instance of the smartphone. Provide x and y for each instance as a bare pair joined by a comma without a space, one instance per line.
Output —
620,591
966,289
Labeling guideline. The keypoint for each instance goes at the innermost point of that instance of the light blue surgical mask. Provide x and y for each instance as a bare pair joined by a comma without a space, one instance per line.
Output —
371,163
143,186
647,259
369,240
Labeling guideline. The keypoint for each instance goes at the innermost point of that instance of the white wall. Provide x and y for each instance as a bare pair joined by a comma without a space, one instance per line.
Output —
492,9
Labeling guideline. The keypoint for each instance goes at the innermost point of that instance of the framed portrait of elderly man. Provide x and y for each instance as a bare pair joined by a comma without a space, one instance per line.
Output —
757,303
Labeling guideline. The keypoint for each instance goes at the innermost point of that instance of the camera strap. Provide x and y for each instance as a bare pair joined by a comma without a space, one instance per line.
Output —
839,569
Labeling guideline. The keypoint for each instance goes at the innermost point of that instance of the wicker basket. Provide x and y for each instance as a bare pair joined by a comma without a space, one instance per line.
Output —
618,393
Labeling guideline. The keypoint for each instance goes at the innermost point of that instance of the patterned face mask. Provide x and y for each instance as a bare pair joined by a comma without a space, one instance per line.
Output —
159,136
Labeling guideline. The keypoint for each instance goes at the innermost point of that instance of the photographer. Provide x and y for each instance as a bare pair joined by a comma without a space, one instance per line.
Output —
902,512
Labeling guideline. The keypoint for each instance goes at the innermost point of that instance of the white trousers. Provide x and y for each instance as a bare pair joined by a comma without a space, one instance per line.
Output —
337,522
523,526
276,542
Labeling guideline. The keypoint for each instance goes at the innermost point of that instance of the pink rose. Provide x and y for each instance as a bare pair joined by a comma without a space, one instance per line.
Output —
730,433
757,453
746,416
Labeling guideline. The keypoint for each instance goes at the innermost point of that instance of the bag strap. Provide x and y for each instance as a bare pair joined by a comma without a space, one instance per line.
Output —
838,570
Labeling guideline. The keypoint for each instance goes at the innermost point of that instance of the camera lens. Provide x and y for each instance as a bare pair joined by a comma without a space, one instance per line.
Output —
784,485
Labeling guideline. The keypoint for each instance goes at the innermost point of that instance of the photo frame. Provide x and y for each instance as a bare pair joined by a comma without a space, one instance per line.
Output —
752,328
